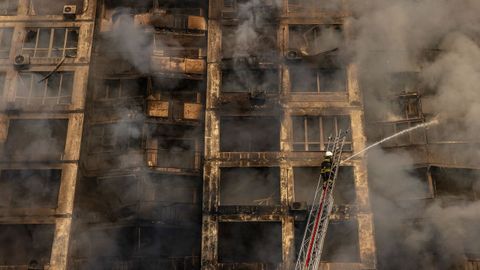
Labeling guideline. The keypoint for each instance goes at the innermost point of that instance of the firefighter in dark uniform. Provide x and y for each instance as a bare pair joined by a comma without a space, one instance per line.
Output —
326,167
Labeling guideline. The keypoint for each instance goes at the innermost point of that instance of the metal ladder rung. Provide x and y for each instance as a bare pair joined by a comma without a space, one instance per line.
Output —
318,219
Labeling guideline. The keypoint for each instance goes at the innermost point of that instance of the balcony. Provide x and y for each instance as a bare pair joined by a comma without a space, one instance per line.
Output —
168,213
123,160
248,83
249,210
157,108
174,110
163,19
173,20
171,160
190,67
179,50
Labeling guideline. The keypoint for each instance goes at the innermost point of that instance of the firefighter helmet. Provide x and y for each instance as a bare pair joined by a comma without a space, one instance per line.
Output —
328,154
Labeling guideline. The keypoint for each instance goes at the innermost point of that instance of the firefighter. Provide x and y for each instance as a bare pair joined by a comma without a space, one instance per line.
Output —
326,167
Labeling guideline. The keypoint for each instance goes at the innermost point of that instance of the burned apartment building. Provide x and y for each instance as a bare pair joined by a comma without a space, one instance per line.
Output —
189,135
139,200
44,70
276,91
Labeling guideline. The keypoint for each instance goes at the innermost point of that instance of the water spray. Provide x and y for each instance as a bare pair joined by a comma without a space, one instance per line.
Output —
424,125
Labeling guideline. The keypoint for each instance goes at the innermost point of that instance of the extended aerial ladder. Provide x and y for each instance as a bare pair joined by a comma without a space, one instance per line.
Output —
317,222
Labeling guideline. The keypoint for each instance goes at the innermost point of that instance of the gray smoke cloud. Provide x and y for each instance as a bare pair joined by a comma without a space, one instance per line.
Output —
131,40
455,76
393,37
148,211
430,233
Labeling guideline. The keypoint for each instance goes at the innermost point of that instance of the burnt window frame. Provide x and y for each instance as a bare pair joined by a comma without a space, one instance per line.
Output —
161,49
182,91
334,238
181,96
322,138
251,140
141,239
226,231
120,87
409,106
114,189
192,154
309,33
6,38
57,126
11,8
268,173
50,51
322,74
186,184
465,190
109,140
64,90
321,78
35,247
242,87
264,34
50,178
105,138
342,182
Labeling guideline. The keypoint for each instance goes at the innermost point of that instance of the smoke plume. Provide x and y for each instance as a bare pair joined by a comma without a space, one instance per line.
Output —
400,37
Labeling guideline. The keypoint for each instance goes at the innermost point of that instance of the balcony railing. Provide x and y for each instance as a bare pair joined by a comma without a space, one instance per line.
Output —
175,159
178,65
171,213
174,109
249,209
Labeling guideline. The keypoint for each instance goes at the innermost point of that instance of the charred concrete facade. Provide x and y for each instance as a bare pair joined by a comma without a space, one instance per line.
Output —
193,143
139,198
189,135
265,135
45,57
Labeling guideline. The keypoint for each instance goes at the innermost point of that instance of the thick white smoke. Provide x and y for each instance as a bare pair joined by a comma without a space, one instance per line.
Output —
392,37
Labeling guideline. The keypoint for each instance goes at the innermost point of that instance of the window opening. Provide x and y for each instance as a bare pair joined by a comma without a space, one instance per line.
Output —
51,42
